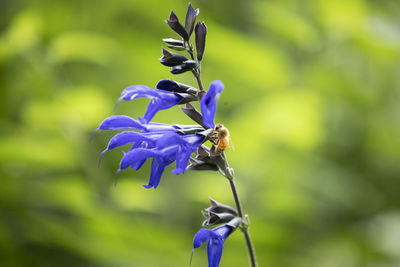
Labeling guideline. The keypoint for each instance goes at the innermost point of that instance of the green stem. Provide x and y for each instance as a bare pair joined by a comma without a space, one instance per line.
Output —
245,230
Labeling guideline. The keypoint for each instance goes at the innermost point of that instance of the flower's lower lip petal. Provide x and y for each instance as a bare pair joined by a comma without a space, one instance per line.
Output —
182,161
214,252
157,168
178,171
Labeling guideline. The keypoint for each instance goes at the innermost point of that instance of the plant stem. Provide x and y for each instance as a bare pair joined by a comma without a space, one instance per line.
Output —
199,82
230,176
195,73
249,243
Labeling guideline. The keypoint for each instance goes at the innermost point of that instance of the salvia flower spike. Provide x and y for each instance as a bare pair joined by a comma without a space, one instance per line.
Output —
184,145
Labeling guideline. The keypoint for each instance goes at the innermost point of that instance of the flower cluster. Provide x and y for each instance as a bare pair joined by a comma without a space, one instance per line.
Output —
182,144
163,143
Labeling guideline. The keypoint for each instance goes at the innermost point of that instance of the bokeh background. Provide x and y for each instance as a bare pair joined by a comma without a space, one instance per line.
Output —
312,101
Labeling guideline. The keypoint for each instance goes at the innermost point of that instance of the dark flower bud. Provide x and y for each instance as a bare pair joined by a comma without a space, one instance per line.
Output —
191,15
172,86
217,207
185,66
174,24
171,59
200,32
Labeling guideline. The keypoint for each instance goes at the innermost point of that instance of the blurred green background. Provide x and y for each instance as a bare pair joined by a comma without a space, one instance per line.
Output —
312,91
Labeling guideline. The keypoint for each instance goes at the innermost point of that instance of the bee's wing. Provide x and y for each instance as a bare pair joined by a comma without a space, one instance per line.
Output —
231,145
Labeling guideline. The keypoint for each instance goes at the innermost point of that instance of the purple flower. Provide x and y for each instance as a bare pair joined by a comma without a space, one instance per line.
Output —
160,99
208,103
163,142
164,149
216,238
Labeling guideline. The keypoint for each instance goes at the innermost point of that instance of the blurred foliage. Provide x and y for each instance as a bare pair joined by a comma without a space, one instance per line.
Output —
311,99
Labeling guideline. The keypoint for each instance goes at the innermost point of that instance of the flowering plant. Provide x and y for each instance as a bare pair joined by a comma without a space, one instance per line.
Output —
182,144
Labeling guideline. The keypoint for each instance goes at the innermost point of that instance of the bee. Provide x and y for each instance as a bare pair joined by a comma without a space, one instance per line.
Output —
220,137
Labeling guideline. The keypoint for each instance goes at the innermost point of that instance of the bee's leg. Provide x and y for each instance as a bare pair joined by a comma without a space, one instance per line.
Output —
214,138
214,141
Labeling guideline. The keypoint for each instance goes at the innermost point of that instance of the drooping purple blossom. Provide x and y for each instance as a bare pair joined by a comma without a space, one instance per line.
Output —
163,142
168,148
159,99
216,238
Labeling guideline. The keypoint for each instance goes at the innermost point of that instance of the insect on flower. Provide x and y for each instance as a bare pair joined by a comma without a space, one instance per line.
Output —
220,137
